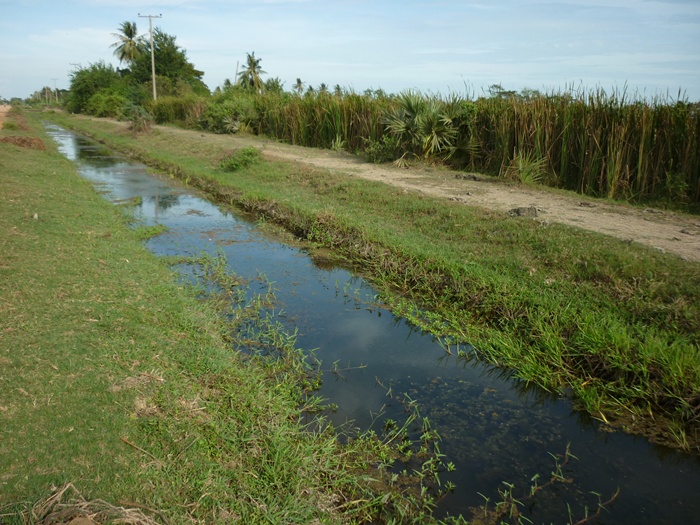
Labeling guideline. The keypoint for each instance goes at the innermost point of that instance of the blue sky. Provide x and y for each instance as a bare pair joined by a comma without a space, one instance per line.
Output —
651,47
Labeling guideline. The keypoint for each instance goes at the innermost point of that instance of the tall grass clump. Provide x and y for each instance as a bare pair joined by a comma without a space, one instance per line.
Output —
595,143
323,120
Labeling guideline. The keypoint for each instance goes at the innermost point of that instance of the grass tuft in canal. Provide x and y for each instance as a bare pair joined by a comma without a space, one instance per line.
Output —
510,509
400,463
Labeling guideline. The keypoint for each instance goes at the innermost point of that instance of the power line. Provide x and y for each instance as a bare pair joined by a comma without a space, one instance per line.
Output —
153,59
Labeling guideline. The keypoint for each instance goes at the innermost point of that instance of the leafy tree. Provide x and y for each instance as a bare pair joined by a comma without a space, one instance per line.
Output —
250,76
274,85
498,91
86,82
170,61
129,45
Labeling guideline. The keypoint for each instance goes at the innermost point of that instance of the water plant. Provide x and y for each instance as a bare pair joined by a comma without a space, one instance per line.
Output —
509,508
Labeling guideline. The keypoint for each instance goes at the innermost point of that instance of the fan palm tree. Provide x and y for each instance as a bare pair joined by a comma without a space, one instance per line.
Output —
128,47
250,76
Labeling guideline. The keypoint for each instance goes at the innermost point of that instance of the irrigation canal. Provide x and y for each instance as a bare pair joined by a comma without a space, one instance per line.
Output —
493,428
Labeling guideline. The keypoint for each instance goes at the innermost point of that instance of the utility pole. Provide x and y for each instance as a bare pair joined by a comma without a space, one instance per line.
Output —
153,59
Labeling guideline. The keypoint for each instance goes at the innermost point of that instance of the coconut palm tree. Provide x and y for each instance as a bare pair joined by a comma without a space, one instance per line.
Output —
128,47
250,76
299,86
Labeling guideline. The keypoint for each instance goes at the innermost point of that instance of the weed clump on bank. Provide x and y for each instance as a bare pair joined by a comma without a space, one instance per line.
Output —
240,159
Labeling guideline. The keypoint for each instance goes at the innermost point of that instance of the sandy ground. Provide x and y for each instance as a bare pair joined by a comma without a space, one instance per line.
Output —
666,231
4,108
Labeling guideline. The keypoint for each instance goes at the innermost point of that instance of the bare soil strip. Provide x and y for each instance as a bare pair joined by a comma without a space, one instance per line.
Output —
4,108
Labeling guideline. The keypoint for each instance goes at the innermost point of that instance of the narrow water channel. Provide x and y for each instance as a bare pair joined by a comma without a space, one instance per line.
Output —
494,428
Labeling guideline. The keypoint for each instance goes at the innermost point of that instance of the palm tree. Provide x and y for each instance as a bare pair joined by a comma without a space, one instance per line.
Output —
128,47
250,76
299,86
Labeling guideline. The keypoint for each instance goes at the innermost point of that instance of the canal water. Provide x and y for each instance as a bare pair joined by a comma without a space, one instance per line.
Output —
493,428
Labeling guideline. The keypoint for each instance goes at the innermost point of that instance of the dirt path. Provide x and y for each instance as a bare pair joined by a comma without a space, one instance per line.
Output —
4,108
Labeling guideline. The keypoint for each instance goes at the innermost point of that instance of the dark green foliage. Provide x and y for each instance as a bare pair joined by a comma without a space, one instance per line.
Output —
105,104
88,81
229,115
241,159
140,120
171,62
386,149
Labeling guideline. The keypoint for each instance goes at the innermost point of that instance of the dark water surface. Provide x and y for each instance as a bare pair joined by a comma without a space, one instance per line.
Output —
493,428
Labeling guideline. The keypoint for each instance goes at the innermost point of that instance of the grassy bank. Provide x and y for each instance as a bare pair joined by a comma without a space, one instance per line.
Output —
117,379
616,324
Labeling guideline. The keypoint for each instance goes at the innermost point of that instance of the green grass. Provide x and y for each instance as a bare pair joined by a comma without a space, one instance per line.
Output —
616,323
125,383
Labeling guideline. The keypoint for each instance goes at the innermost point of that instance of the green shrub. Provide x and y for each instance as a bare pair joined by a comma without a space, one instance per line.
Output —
241,159
170,110
229,116
386,149
103,104
87,82
139,119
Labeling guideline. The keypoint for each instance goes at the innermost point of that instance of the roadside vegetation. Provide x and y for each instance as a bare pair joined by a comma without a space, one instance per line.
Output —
615,324
614,145
120,385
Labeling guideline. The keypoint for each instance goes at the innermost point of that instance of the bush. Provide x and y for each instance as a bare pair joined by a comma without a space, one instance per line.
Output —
241,159
87,82
229,116
386,149
140,120
170,110
103,104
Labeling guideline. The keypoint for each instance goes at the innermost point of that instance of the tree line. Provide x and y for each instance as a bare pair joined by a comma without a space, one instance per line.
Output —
597,143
